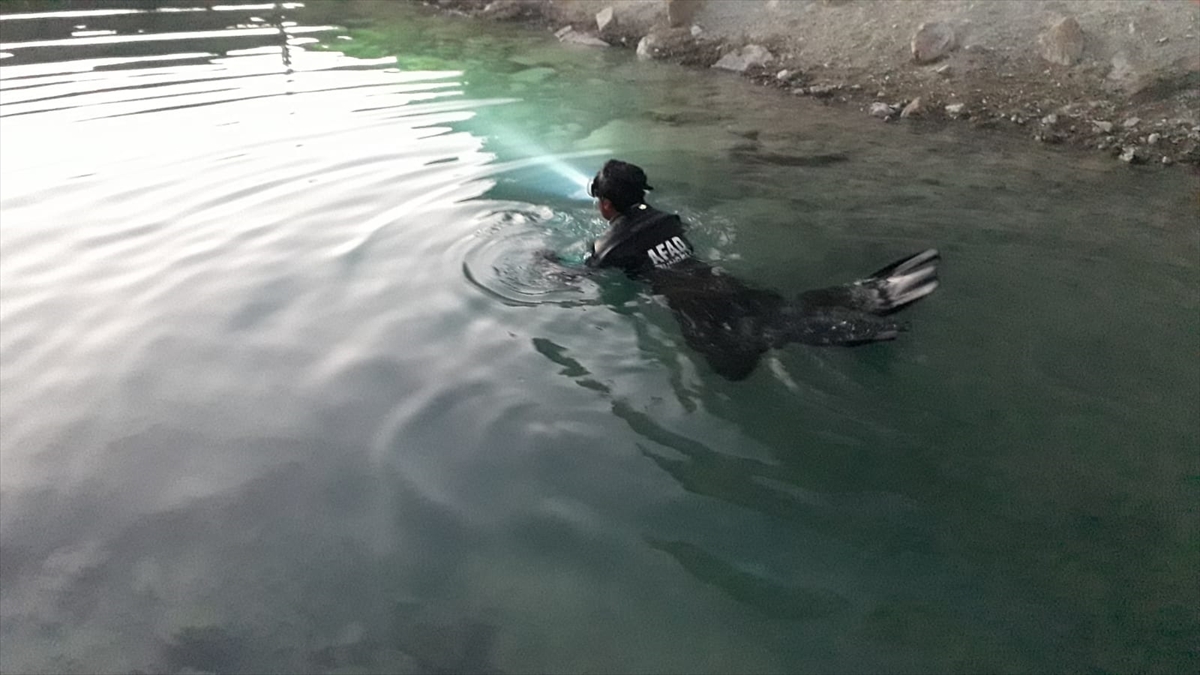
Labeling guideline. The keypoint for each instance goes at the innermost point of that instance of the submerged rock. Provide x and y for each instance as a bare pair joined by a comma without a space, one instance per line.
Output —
1062,43
534,75
932,41
747,57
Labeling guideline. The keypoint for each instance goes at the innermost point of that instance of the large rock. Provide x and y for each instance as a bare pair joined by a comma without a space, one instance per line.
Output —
881,110
932,41
745,58
913,109
682,12
1062,43
662,43
504,10
606,20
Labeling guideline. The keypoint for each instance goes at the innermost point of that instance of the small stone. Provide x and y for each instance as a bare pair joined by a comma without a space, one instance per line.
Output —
956,109
1131,122
742,60
696,31
823,89
562,32
1153,139
783,74
1050,120
1167,161
1062,43
1131,155
1106,127
913,109
606,19
880,109
943,70
932,41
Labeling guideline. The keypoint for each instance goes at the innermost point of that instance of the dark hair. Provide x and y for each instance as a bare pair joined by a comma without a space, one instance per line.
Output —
621,183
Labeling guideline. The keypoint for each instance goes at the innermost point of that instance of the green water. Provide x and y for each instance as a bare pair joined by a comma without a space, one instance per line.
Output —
285,388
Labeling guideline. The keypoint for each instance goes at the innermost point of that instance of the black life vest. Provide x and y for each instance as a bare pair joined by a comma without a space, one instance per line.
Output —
641,240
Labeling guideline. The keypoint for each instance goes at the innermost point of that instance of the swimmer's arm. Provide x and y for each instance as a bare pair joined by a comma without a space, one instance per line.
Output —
575,264
587,261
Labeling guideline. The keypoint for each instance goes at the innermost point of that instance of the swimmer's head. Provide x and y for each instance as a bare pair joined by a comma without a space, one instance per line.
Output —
622,184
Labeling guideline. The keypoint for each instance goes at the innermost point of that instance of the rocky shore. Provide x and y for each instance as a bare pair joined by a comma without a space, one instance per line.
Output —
1116,76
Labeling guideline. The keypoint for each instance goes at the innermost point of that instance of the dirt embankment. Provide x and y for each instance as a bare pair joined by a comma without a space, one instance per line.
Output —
1120,76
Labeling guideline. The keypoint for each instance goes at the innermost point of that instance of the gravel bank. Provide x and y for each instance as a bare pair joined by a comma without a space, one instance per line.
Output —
1118,76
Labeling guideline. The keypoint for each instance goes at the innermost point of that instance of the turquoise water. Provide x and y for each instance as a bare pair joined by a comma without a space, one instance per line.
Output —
284,387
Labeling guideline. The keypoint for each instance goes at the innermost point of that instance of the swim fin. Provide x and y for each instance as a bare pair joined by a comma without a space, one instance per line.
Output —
903,282
890,289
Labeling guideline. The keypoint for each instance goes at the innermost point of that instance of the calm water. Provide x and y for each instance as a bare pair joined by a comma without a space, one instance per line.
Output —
284,388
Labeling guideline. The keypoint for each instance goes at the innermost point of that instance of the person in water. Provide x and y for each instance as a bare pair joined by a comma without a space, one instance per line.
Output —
728,321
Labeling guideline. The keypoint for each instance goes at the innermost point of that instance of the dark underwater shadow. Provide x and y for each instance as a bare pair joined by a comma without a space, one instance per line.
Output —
773,599
776,490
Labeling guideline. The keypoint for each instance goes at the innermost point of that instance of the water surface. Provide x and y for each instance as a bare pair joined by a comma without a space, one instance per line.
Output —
285,389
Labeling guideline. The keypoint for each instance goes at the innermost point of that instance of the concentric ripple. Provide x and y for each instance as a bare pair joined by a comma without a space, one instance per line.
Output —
530,257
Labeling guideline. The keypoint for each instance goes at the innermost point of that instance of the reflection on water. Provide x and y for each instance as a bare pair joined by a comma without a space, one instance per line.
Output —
287,386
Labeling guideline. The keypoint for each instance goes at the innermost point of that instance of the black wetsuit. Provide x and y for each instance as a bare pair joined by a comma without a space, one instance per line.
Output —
728,321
